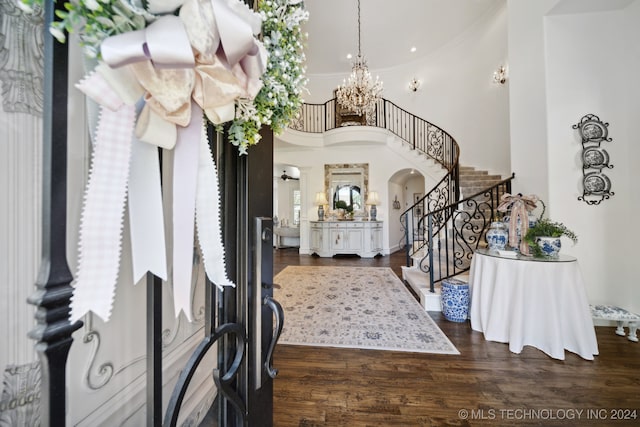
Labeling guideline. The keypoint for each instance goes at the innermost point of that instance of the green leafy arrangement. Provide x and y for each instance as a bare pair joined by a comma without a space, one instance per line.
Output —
284,80
547,228
341,204
93,20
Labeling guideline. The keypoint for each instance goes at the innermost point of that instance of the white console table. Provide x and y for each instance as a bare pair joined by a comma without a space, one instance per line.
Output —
329,238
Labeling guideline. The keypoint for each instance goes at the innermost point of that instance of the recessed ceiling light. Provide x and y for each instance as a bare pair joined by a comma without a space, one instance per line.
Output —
413,49
349,56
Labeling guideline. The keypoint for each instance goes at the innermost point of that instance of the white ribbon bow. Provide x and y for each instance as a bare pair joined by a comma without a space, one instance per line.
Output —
179,68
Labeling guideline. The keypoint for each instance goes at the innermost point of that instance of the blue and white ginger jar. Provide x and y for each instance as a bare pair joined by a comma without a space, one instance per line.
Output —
507,222
497,236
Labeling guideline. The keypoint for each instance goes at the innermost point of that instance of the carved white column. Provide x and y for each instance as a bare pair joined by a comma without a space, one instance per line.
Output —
21,71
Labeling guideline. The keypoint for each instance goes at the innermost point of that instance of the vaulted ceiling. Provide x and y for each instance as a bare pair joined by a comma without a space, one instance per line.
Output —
389,29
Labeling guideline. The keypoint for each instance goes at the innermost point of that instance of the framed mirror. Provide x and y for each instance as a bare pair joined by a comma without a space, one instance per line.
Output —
348,182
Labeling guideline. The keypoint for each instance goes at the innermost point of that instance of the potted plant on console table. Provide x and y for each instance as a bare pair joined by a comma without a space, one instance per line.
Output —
544,237
346,210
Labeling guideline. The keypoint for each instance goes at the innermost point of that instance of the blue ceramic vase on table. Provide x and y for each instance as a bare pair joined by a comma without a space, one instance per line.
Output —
550,246
497,236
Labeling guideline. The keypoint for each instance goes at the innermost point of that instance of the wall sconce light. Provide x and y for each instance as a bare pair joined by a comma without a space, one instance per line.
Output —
321,200
500,75
396,203
414,84
373,200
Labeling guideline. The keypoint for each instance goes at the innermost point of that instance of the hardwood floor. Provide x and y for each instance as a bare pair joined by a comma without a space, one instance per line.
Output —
485,385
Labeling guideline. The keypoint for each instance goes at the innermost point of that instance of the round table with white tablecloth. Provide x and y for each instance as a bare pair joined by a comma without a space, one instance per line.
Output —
532,301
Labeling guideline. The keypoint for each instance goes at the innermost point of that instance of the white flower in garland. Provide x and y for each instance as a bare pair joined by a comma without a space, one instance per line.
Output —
280,98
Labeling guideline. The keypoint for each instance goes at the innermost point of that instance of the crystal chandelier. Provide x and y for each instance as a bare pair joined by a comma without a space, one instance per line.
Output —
360,93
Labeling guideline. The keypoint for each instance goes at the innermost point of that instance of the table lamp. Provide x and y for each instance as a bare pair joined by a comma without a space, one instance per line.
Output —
373,200
321,200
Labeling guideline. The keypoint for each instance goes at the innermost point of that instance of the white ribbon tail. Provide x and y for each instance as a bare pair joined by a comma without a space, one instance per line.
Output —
102,215
208,217
185,175
146,217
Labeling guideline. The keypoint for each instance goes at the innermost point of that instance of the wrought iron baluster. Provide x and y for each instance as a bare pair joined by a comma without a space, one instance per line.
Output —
53,286
221,318
154,350
430,252
222,379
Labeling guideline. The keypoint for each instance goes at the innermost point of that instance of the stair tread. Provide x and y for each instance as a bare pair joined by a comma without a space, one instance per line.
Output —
466,181
485,184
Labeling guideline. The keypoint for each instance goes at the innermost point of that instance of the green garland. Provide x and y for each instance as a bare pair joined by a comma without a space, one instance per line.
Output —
283,82
93,20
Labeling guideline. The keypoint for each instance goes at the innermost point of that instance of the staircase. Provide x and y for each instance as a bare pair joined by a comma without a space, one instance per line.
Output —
454,245
445,227
473,181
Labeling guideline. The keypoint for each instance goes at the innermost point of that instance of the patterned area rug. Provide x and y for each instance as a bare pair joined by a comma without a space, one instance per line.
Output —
355,307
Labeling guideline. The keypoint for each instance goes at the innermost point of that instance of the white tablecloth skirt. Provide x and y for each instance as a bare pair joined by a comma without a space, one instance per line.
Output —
541,304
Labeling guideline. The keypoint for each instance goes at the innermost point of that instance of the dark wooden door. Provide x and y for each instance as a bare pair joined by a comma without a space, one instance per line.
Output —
247,183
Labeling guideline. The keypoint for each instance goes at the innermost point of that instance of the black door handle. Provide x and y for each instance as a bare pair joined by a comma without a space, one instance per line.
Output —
279,314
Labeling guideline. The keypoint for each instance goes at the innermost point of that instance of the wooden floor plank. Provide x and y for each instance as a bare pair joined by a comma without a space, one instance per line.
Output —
349,387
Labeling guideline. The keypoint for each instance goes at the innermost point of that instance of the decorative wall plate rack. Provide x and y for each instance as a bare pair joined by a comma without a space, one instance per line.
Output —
596,185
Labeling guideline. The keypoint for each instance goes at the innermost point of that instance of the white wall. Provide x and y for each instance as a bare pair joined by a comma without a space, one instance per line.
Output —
456,93
396,233
563,67
412,187
527,95
284,194
577,85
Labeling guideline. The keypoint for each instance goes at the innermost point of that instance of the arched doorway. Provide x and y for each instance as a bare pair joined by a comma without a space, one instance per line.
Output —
405,185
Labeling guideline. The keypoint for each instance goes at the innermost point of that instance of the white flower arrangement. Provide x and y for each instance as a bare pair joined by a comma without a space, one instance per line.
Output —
283,81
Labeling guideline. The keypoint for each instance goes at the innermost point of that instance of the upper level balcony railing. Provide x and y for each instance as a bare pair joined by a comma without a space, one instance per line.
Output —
418,133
